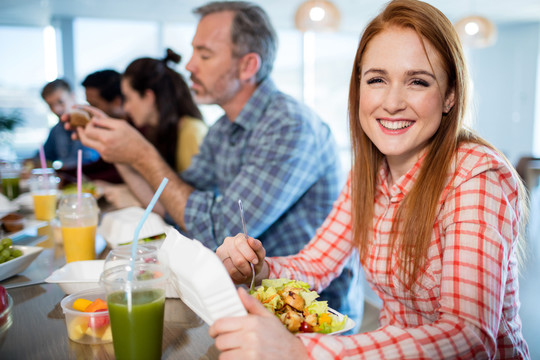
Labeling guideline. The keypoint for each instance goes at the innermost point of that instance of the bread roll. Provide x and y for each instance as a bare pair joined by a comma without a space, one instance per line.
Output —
79,117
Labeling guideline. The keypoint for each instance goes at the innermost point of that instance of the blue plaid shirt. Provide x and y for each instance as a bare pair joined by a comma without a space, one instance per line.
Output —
282,161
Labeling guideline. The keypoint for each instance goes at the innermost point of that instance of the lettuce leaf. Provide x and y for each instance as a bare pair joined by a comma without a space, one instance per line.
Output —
318,307
279,284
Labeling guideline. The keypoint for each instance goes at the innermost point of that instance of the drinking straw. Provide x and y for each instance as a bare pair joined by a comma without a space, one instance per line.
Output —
140,224
79,180
42,157
43,165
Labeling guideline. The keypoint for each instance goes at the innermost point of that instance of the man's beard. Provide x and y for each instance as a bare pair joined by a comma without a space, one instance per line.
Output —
224,89
201,94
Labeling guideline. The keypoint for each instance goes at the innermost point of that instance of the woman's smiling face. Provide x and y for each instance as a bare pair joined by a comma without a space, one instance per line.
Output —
402,95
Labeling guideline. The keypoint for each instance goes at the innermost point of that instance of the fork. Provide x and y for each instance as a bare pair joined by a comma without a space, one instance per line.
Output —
245,233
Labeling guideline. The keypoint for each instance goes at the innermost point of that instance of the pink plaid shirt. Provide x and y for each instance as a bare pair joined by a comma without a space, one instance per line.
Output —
466,306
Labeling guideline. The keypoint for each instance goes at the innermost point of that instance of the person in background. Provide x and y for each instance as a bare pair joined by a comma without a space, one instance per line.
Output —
268,150
159,103
102,89
59,145
435,212
158,100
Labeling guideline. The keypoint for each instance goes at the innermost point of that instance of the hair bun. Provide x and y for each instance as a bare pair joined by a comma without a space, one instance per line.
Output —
172,56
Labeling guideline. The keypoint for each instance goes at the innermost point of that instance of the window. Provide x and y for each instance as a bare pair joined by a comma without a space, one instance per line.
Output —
113,44
22,74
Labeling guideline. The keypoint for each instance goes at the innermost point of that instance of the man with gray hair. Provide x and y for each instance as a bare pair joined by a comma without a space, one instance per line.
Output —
268,149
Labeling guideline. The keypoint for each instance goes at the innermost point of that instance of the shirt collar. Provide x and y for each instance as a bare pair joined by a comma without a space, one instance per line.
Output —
404,184
254,109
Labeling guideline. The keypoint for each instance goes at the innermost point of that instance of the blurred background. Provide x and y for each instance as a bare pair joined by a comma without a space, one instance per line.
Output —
41,40
44,39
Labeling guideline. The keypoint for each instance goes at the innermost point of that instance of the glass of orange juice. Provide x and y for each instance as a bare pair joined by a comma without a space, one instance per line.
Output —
44,188
78,220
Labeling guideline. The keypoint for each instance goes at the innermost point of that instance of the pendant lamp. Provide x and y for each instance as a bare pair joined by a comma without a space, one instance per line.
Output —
476,31
317,15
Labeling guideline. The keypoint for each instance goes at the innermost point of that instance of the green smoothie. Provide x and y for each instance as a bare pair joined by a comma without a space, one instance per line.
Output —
10,187
139,333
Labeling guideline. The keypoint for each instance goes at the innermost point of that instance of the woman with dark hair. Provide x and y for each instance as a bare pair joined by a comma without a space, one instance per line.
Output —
159,103
435,213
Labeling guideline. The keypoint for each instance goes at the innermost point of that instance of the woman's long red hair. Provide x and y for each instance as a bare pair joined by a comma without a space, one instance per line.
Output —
417,212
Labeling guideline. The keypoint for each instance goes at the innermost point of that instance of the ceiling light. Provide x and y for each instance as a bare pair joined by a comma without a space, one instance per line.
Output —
317,15
476,31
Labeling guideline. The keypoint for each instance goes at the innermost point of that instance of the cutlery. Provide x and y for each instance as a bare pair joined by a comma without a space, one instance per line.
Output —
245,233
23,284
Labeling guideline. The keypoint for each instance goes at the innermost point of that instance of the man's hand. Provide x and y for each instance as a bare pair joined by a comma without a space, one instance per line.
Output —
115,140
120,143
94,113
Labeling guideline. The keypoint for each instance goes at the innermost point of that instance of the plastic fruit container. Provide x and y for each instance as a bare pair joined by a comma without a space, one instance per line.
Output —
87,327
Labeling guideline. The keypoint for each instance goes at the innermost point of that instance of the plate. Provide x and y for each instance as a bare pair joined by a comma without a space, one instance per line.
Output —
17,265
27,239
30,228
349,323
84,275
77,276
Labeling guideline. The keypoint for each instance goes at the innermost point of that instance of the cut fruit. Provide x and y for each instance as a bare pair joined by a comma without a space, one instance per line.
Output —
96,322
77,328
96,333
96,305
107,335
81,304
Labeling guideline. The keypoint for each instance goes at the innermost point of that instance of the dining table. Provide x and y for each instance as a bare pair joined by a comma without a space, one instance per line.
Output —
38,329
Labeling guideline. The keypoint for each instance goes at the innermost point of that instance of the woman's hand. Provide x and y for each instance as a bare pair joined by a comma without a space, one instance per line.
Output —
236,254
259,335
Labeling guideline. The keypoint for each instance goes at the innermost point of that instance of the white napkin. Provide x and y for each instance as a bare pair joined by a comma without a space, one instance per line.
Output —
200,279
7,206
4,201
25,201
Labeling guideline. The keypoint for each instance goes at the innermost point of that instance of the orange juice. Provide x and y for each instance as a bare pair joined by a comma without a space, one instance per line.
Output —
79,243
44,206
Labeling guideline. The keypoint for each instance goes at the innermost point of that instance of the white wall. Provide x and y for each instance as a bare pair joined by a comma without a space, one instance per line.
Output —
505,88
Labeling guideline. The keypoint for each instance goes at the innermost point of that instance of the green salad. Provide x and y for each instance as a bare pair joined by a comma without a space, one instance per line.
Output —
148,239
296,306
86,187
